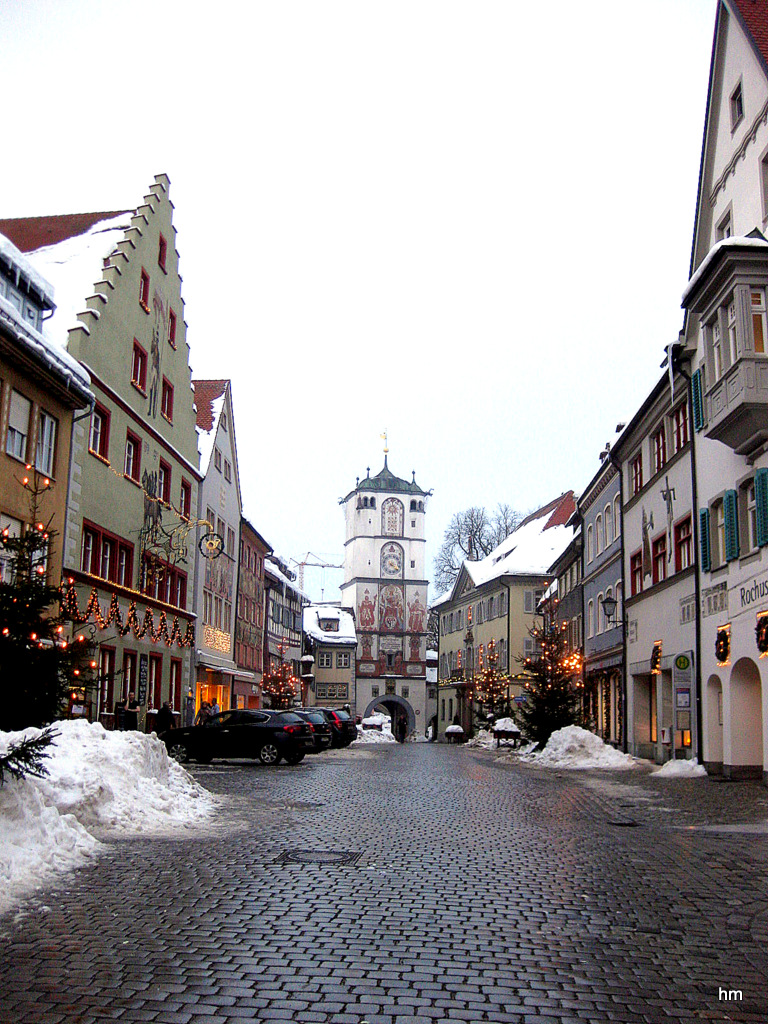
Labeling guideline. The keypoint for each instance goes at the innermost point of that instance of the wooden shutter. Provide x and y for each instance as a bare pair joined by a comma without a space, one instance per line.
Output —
731,510
761,506
698,403
706,563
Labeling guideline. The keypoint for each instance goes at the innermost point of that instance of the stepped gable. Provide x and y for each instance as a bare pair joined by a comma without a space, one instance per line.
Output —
31,233
206,392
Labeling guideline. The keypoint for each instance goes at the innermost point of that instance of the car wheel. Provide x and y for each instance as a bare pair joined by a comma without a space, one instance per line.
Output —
269,754
295,758
179,753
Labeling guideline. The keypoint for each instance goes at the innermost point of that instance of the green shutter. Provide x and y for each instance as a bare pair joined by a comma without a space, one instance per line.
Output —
761,506
704,539
731,509
698,404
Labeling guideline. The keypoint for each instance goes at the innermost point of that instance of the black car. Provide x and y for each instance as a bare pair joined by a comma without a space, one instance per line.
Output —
321,728
270,736
343,728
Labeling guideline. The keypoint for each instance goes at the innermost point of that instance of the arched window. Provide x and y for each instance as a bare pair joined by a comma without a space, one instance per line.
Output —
392,517
599,537
619,601
373,503
608,525
421,506
590,619
600,614
413,504
617,515
590,545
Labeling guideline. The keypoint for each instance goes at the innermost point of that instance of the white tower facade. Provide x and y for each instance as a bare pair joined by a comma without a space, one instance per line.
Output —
385,586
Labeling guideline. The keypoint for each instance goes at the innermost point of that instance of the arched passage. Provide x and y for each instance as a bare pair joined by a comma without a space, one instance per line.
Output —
746,725
713,748
397,707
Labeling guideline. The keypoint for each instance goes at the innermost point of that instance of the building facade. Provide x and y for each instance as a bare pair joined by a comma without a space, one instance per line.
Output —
285,603
331,641
249,617
385,587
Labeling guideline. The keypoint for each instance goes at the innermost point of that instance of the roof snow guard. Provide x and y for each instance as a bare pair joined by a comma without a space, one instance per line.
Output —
387,481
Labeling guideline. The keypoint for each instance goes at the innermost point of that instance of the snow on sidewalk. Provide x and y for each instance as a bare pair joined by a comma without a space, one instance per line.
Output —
121,782
574,747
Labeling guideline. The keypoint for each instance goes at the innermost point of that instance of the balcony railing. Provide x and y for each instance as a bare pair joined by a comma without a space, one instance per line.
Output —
738,405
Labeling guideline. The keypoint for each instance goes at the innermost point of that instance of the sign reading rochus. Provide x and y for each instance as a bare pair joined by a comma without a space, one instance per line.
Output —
749,596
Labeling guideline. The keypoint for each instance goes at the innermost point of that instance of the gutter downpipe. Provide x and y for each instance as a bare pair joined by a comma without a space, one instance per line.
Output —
624,660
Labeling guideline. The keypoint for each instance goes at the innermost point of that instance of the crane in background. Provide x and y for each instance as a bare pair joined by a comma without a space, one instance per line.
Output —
318,564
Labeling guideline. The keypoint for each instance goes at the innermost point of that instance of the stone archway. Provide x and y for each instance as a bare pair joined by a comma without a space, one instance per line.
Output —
746,721
713,750
397,707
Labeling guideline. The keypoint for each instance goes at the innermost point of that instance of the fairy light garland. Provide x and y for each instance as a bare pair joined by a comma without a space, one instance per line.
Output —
140,629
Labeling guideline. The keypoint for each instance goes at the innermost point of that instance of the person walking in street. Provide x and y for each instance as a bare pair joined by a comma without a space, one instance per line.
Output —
164,719
131,713
215,709
203,714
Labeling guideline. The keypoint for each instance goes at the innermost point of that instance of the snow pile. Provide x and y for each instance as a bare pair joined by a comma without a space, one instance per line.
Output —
483,738
384,735
506,725
123,781
573,747
682,769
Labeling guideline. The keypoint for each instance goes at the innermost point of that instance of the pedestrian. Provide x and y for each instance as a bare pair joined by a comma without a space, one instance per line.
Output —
402,730
215,709
164,719
203,714
131,713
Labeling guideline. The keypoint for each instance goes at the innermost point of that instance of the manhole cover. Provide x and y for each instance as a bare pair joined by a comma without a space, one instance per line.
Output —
319,857
623,823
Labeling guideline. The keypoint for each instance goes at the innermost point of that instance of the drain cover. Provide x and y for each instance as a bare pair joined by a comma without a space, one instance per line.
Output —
623,823
319,857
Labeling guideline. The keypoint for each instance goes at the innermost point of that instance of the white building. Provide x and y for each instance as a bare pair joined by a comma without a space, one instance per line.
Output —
330,639
385,586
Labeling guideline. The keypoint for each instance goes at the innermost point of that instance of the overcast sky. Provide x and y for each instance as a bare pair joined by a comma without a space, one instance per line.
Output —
468,223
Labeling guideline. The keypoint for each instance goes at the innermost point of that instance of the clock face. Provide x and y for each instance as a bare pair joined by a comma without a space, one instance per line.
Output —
391,560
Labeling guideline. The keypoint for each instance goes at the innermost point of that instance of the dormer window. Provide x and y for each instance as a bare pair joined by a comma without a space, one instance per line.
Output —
329,625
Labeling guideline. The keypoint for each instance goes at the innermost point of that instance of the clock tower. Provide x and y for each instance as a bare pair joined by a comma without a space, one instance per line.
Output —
385,586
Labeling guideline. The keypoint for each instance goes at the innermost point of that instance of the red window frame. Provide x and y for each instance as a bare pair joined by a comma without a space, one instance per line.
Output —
637,473
164,482
96,536
166,400
172,329
162,252
186,498
659,558
102,450
636,572
680,426
135,473
659,441
144,290
683,544
139,367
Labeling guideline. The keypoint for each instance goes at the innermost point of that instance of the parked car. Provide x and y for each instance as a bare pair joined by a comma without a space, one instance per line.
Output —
343,727
321,728
269,736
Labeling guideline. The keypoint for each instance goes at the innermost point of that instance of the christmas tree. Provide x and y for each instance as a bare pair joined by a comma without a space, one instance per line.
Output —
40,666
552,697
491,687
279,685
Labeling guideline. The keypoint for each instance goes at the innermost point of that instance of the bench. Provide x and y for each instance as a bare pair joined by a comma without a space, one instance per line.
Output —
507,736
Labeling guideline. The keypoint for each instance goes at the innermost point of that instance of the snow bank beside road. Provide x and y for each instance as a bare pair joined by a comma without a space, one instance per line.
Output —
374,735
573,747
121,781
681,769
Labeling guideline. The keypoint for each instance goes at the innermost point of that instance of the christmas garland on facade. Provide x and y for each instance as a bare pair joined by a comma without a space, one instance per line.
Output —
132,624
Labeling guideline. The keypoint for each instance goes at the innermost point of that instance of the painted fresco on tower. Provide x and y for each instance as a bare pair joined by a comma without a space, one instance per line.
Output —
392,517
391,609
416,614
366,647
392,561
414,648
366,611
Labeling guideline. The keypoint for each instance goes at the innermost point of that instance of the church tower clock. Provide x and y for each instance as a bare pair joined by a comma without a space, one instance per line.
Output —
385,586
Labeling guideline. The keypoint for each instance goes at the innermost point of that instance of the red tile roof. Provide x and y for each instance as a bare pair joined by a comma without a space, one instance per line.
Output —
205,393
754,17
30,233
559,511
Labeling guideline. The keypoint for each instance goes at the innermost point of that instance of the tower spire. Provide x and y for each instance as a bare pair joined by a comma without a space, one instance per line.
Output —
386,449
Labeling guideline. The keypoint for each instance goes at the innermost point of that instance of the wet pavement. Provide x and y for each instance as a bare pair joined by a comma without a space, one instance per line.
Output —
407,884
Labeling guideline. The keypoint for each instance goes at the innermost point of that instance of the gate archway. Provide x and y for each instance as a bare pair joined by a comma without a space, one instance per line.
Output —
746,718
396,707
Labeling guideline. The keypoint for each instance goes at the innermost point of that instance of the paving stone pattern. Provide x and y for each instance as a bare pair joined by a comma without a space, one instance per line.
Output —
485,891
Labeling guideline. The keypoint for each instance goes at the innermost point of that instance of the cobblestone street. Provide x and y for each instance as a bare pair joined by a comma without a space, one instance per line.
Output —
483,891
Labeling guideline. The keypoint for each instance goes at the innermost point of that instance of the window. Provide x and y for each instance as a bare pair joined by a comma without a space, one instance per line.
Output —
230,542
186,499
749,505
124,565
617,515
227,471
737,106
144,290
697,399
207,607
758,321
636,572
659,445
106,559
590,543
724,228
98,442
217,459
683,544
608,525
342,659
599,534
406,692
132,457
659,557
637,473
717,552
172,329
223,420
106,677
46,444
104,555
155,679
591,618
11,528
166,400
680,426
164,482
600,623
139,367
18,426
731,319
325,659
162,252
717,349
175,694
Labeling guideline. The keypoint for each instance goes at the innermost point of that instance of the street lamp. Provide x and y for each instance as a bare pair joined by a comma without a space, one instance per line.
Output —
609,607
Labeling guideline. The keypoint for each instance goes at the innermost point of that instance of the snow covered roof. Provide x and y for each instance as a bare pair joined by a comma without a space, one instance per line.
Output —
39,345
752,241
210,397
316,617
537,542
271,568
387,481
